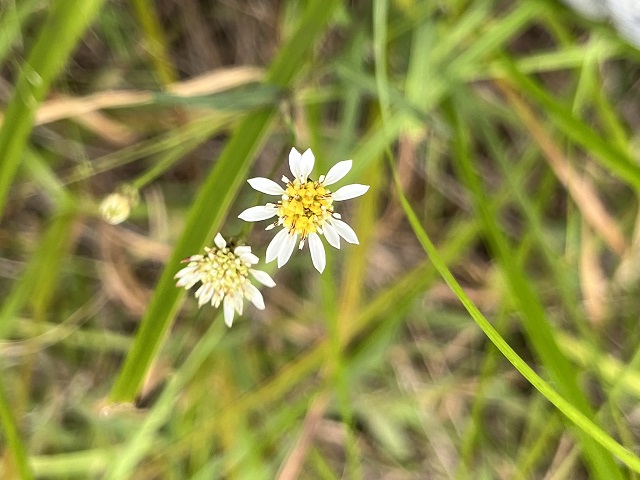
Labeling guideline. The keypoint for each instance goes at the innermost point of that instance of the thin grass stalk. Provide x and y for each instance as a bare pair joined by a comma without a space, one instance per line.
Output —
12,436
11,23
572,413
534,321
66,22
140,443
608,154
156,41
44,263
212,203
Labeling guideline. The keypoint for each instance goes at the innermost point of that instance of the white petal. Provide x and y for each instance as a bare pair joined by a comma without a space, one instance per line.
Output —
238,302
318,256
216,299
219,241
242,249
331,235
337,172
204,293
344,230
626,16
265,185
349,191
274,247
262,277
185,271
188,281
254,296
255,214
287,249
294,163
228,311
306,164
249,258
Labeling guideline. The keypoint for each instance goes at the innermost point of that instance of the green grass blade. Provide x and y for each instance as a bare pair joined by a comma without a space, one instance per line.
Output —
571,412
11,22
140,443
532,312
43,265
12,436
608,154
65,24
213,201
156,41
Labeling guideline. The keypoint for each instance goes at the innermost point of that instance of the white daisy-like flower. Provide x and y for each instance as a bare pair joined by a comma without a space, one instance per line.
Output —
224,274
305,210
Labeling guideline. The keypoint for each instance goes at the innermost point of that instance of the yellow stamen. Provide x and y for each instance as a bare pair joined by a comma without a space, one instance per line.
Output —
304,207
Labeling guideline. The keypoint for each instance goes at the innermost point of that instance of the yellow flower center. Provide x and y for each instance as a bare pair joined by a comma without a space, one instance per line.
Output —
224,269
304,207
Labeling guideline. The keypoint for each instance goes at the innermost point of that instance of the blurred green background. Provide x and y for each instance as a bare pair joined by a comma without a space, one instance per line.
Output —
486,327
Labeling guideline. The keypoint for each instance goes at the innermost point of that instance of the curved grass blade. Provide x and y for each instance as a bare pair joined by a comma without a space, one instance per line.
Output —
140,443
535,323
61,31
12,436
571,412
213,201
606,153
12,21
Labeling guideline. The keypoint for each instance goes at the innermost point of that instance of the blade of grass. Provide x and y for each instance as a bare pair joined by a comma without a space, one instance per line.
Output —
12,436
532,312
62,29
213,201
44,263
140,443
189,134
606,153
570,411
11,23
156,41
84,464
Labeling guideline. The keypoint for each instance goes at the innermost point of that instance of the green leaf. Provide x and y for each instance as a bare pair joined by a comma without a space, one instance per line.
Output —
214,200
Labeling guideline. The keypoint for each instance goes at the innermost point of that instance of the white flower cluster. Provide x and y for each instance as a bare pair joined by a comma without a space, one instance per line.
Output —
224,274
625,14
305,211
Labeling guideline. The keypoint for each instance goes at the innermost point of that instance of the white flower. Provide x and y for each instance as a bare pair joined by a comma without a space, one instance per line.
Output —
305,210
116,207
224,274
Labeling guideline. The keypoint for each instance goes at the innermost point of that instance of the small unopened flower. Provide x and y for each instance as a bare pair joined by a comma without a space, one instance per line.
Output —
224,277
305,210
116,207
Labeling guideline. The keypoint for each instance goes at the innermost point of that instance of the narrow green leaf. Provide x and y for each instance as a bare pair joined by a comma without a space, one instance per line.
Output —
66,22
244,98
44,263
532,312
11,22
607,153
213,201
571,412
156,41
12,435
